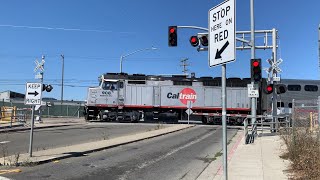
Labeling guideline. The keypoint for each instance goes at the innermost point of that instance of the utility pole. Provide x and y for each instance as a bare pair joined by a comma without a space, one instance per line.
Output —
41,81
319,48
62,74
184,64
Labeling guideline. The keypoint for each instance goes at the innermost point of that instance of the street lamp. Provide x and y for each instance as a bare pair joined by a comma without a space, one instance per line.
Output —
123,56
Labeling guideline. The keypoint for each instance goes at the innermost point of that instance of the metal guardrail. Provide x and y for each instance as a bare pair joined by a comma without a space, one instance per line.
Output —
264,124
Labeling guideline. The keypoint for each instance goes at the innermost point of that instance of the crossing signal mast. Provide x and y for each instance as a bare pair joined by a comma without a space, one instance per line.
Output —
278,88
200,38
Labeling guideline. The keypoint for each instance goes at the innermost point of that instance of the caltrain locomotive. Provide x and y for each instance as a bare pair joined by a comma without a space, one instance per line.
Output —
138,97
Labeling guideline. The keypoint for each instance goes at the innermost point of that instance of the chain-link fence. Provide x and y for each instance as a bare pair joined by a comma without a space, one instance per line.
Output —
305,114
50,108
303,139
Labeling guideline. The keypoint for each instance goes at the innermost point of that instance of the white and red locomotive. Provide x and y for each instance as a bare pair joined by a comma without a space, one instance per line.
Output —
138,97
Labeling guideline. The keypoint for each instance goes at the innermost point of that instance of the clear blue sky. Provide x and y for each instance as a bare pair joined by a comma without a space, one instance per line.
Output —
108,29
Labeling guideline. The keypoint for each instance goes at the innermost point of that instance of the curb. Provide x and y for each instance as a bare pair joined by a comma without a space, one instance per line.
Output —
214,169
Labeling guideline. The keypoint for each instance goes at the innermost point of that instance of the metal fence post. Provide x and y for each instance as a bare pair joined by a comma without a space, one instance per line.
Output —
245,129
293,121
68,110
318,111
11,117
293,114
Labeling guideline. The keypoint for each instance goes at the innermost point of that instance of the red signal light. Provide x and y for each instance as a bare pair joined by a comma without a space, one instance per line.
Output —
172,30
269,89
194,41
255,63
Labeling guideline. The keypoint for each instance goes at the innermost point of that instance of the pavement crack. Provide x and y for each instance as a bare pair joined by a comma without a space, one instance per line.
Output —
183,176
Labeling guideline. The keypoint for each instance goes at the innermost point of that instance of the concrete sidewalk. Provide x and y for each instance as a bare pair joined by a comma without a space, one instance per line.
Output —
257,161
81,149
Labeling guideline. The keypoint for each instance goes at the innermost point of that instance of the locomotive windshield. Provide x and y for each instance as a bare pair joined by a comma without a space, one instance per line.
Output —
107,85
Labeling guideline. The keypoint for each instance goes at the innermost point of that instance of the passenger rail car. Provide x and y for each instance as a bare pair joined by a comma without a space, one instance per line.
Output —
298,89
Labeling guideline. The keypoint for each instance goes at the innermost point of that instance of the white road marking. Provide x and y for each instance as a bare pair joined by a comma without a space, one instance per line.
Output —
4,178
148,163
4,142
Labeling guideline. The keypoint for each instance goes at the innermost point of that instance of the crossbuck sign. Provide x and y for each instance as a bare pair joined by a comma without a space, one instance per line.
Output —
222,23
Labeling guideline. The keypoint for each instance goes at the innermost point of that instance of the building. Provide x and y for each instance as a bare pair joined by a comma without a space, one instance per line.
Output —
8,96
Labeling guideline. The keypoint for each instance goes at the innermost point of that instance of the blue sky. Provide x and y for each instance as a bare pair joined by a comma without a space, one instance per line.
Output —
105,30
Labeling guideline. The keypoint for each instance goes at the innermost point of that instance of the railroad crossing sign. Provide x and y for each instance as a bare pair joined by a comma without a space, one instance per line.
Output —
273,70
222,30
275,65
33,94
39,65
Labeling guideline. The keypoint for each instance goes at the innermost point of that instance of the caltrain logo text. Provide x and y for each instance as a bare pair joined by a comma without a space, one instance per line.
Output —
184,95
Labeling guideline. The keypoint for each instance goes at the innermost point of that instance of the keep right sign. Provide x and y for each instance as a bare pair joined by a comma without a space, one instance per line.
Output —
222,33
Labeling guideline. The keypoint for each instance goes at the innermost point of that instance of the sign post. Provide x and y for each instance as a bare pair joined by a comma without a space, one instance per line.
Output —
222,49
33,97
189,111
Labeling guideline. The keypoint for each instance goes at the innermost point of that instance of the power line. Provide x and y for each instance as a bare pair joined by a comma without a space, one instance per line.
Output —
95,58
62,29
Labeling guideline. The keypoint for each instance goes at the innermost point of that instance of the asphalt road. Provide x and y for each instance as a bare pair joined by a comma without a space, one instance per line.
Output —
18,142
180,155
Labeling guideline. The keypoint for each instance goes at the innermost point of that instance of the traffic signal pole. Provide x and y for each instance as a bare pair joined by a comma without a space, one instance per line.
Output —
274,74
253,54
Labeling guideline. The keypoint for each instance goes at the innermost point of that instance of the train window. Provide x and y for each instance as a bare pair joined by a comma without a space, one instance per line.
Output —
311,88
136,82
280,104
182,83
294,87
110,86
290,105
211,83
120,85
